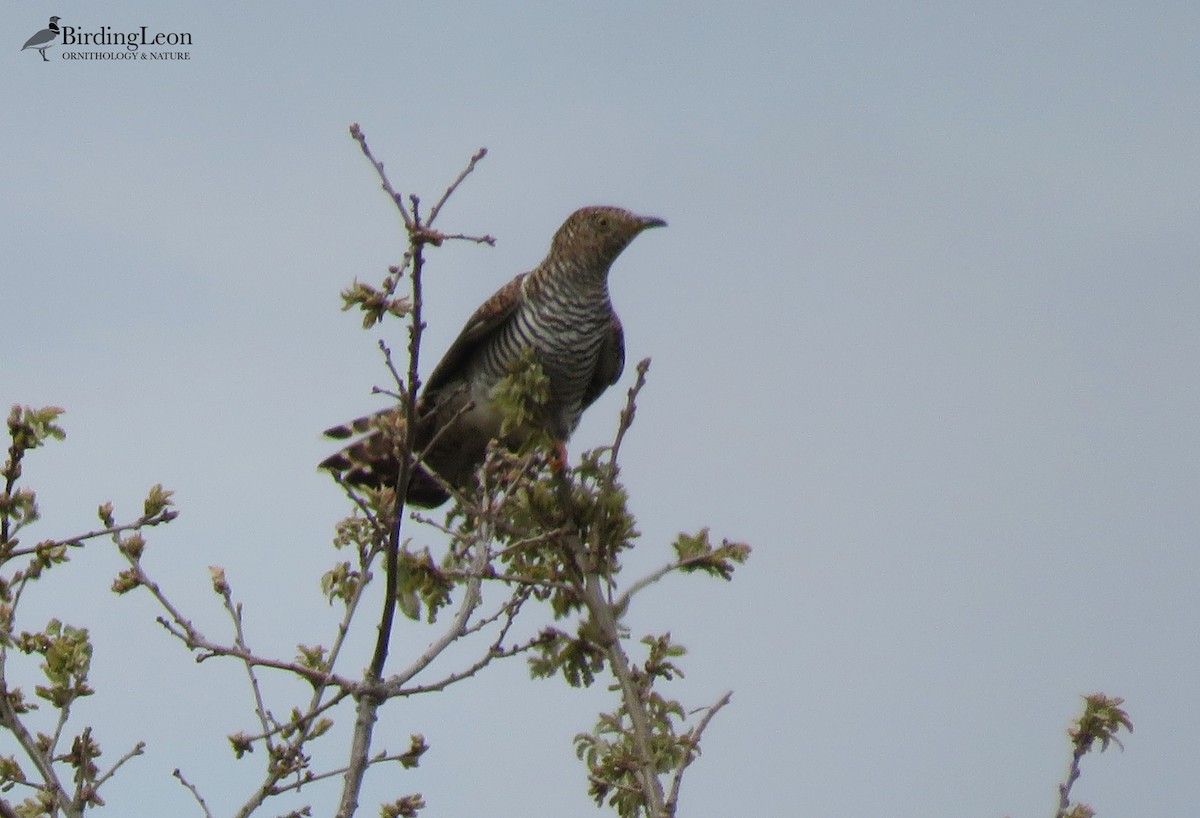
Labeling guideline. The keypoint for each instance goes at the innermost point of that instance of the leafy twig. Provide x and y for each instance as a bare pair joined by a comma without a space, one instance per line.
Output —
1101,721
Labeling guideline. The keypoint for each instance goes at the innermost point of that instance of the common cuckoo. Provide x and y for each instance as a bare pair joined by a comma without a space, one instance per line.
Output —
560,311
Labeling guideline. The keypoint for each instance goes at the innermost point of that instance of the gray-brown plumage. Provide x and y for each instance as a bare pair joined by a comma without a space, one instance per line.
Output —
560,310
44,38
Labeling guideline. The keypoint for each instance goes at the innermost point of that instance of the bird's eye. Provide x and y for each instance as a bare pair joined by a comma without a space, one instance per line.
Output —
603,221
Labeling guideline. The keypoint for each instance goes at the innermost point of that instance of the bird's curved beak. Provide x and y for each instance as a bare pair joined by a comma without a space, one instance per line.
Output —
646,222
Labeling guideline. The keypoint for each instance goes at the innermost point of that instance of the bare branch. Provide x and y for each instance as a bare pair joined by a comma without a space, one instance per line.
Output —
312,777
490,241
495,651
195,792
437,208
181,628
307,718
693,740
402,392
357,133
627,413
64,713
136,750
235,614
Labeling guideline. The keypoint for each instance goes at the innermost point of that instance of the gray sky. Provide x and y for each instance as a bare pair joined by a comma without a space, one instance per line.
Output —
923,329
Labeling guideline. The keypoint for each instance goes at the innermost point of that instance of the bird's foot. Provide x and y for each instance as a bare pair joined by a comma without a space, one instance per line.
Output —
558,458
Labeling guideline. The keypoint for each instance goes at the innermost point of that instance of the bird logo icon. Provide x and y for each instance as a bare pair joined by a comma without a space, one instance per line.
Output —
44,38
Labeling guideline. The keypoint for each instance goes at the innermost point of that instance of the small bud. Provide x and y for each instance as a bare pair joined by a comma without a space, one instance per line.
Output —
126,581
218,579
133,545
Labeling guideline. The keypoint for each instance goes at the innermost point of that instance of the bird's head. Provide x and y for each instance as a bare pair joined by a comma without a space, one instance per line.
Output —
597,235
55,19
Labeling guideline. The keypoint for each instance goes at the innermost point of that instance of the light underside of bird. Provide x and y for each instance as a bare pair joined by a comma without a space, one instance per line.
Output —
559,314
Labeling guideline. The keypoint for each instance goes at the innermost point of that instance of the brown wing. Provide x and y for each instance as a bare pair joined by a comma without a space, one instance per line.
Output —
610,365
490,316
371,460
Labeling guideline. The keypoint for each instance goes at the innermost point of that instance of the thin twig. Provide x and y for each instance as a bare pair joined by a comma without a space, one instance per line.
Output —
529,542
77,541
627,414
508,610
182,629
136,750
592,568
517,579
305,720
471,599
74,542
1064,789
495,651
312,777
195,792
437,208
655,576
601,613
693,739
490,241
361,139
29,744
64,713
402,391
344,626
379,390
239,637
357,499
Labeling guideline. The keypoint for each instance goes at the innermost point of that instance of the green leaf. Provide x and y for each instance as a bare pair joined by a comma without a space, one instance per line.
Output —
1101,721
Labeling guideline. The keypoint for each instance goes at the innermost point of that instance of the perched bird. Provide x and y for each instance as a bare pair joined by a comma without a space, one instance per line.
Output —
560,311
44,38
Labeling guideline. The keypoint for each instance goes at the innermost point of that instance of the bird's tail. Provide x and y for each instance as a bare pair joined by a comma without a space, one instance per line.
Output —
373,460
